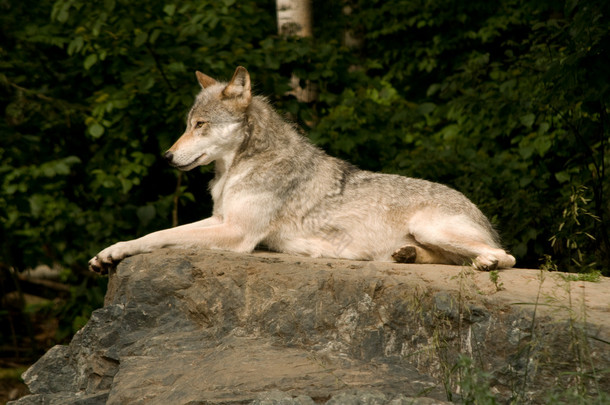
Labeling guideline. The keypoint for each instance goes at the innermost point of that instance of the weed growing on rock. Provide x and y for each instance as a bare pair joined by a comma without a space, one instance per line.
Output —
593,277
494,277
474,384
462,367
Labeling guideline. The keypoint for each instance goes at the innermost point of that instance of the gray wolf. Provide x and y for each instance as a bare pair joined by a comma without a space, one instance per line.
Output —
273,187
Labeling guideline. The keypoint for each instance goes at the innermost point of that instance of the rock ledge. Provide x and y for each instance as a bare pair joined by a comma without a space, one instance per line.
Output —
210,327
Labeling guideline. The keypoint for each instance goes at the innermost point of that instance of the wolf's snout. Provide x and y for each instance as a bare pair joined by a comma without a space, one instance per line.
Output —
169,156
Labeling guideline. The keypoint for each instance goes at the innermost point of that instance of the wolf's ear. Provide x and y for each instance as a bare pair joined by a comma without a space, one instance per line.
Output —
239,86
204,80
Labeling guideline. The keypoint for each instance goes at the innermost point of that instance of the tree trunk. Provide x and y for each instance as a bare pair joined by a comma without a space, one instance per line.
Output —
294,19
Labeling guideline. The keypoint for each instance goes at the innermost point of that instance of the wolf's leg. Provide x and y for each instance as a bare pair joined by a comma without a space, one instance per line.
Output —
115,253
210,233
459,237
496,259
221,236
483,256
418,254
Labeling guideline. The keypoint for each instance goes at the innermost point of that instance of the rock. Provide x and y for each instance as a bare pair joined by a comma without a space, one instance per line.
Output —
210,327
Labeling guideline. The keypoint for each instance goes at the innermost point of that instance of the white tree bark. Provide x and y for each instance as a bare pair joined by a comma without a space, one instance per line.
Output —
294,19
350,39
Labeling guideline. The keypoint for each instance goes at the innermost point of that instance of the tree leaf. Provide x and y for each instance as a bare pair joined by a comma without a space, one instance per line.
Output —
528,120
96,130
90,61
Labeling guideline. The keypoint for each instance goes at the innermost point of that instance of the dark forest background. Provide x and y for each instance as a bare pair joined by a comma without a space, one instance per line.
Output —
506,101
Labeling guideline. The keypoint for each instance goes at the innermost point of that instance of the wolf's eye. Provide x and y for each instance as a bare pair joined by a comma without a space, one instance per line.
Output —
200,124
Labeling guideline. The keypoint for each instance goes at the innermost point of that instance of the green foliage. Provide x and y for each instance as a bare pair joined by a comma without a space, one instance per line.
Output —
473,383
506,101
593,276
494,277
573,396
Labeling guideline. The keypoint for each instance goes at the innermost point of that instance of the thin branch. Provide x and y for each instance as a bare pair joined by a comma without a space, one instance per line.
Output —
176,200
43,97
159,67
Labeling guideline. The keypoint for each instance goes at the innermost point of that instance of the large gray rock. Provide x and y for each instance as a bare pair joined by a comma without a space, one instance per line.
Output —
186,327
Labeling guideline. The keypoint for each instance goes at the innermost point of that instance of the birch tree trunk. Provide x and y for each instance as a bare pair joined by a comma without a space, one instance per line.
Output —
294,19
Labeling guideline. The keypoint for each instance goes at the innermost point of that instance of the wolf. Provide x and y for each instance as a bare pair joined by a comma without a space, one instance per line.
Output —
272,187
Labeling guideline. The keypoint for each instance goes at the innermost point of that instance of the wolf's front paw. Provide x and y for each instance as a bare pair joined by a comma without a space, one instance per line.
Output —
109,257
98,266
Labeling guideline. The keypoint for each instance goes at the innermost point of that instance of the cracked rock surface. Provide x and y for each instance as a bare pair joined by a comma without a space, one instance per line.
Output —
211,327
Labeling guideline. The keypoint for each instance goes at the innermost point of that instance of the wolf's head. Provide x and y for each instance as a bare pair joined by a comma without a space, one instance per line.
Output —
216,122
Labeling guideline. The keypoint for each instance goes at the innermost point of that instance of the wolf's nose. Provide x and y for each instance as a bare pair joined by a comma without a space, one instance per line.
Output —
168,156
